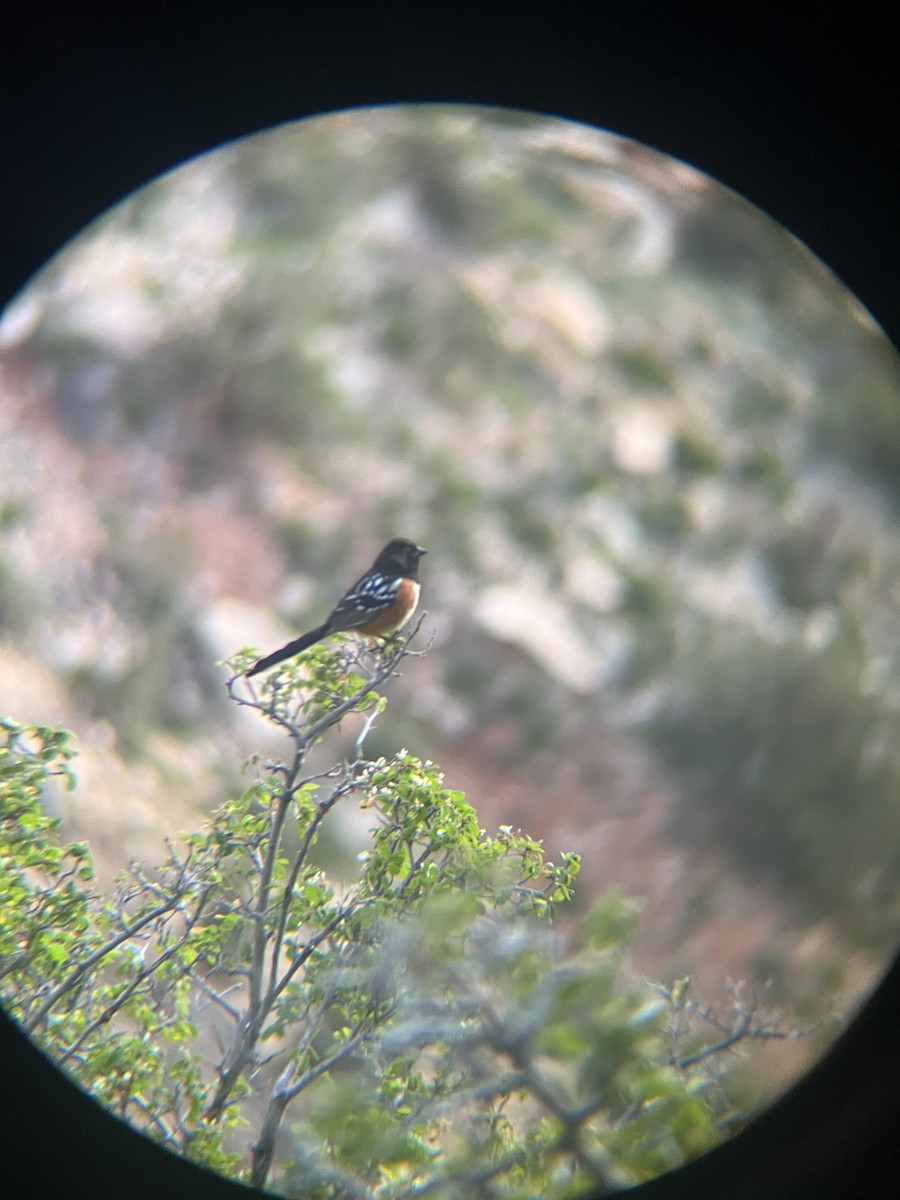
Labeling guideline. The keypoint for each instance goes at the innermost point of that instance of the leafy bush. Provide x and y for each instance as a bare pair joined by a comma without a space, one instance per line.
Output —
422,1029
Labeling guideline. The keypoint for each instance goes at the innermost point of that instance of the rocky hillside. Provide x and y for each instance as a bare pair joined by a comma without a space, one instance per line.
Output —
653,449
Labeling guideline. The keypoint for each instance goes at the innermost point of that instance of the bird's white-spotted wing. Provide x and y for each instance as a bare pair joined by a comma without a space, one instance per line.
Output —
366,599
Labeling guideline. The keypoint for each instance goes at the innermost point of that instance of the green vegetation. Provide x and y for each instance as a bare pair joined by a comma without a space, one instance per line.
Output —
437,322
422,1028
794,766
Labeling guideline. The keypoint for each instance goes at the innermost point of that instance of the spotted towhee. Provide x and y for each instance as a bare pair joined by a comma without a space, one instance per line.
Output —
377,605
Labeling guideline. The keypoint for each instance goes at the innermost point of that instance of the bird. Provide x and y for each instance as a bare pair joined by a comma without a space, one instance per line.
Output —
377,605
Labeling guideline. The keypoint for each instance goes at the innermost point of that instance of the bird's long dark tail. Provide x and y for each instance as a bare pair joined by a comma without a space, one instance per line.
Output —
288,651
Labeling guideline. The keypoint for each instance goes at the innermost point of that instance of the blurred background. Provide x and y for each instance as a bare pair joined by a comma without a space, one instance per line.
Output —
652,446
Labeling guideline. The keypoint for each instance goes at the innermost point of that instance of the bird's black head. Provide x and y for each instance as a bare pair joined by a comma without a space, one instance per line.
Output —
399,557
